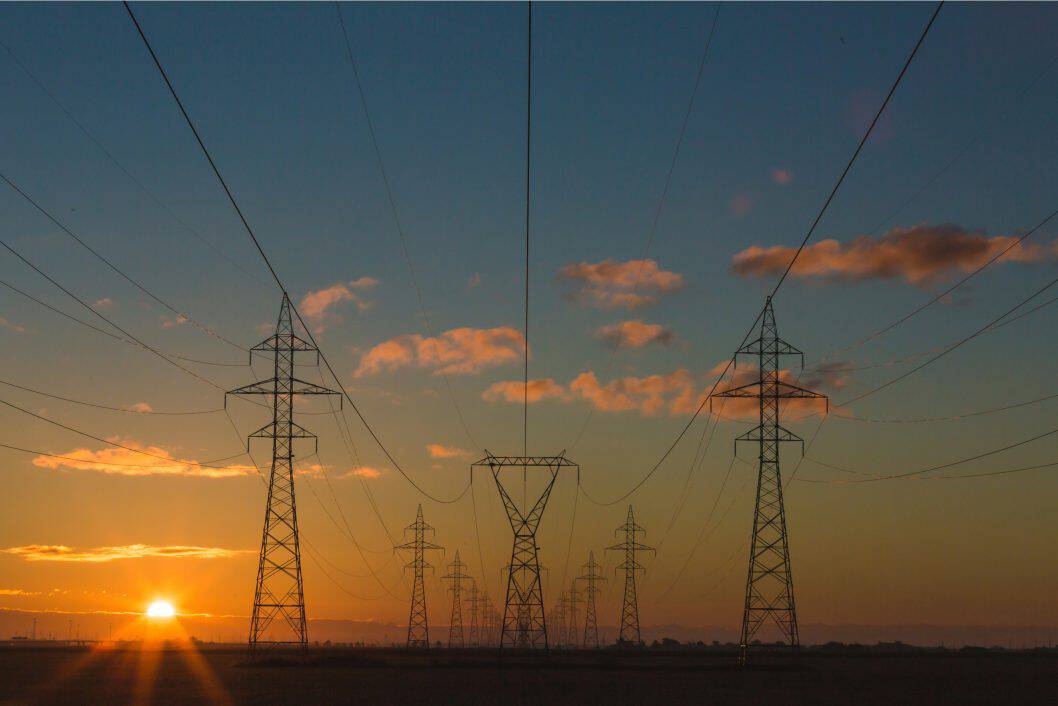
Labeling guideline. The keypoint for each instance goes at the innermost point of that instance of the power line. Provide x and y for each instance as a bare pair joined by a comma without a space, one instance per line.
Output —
95,253
76,320
808,235
859,147
664,196
396,216
114,160
271,269
97,405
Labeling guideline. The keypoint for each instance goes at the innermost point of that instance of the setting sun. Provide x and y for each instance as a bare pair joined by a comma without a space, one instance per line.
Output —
160,609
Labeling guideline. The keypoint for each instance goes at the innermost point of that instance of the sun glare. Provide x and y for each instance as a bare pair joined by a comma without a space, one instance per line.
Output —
160,609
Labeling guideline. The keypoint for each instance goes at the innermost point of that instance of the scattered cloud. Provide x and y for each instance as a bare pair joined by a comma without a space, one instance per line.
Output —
919,255
740,204
180,320
635,334
316,306
515,391
782,177
98,555
460,351
104,303
11,326
315,470
123,462
474,281
620,285
141,407
650,395
439,451
17,592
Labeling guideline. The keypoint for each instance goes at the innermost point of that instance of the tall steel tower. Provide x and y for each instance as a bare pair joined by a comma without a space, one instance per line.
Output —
572,639
279,596
769,586
629,636
457,575
418,625
524,624
474,601
591,577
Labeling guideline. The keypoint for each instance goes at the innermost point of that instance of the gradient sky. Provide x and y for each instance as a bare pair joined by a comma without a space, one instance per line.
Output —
785,96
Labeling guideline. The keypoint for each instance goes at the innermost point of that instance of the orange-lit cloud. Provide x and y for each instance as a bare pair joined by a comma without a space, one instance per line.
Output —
141,407
650,395
123,462
439,451
17,592
315,470
98,555
782,177
919,255
740,204
179,320
628,285
460,351
514,391
316,305
11,326
635,334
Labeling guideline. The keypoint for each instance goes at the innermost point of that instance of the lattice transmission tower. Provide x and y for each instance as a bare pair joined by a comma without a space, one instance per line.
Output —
769,586
418,623
524,624
457,575
474,601
572,638
278,616
629,636
591,578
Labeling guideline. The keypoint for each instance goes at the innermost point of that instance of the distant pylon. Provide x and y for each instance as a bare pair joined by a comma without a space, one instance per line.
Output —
629,636
474,601
591,577
456,575
572,638
418,625
769,586
524,624
558,620
279,593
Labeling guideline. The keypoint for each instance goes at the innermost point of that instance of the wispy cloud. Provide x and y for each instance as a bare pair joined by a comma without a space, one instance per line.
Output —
317,305
316,470
515,391
98,555
17,592
460,351
11,326
635,334
918,255
782,177
620,285
440,451
123,462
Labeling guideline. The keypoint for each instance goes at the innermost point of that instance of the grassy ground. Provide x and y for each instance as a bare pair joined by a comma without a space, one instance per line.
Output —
138,676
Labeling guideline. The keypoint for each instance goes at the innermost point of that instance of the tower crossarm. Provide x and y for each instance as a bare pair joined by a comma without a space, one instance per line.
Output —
776,345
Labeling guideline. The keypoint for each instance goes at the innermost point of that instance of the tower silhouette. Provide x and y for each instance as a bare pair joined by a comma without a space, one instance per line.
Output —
456,575
279,595
524,623
572,639
769,586
418,624
591,578
629,636
474,601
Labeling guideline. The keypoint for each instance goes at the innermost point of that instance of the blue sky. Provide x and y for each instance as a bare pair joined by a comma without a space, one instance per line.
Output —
786,87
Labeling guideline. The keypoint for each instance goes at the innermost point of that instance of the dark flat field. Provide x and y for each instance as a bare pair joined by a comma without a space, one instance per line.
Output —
375,676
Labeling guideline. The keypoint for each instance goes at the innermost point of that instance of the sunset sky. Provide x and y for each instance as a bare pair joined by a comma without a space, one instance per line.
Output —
960,164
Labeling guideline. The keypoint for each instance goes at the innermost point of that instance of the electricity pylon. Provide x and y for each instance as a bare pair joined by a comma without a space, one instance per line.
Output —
572,639
279,593
769,586
474,601
418,625
591,577
456,575
558,618
524,624
629,636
